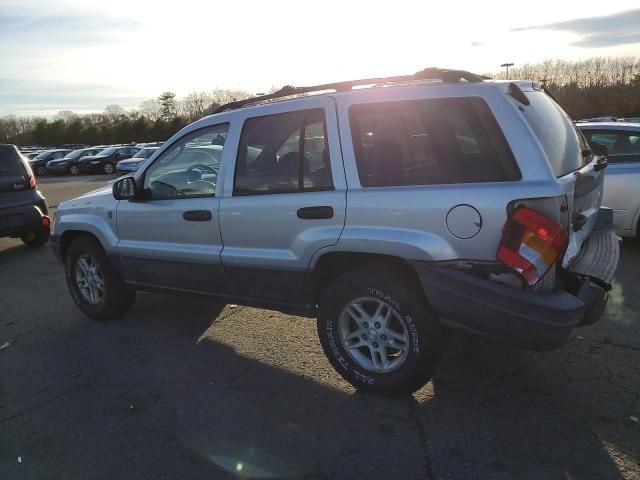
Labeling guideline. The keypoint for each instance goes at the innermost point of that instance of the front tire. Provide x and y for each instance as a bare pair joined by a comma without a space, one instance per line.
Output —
36,238
74,170
377,332
41,171
108,168
95,286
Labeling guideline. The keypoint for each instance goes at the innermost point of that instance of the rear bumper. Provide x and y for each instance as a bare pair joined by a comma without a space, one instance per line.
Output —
518,317
17,220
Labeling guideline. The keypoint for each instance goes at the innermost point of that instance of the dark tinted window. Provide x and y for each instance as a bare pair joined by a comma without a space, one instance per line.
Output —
622,146
283,153
10,162
429,142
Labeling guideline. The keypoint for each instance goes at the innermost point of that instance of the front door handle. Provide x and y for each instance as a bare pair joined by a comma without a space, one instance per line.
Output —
197,216
315,213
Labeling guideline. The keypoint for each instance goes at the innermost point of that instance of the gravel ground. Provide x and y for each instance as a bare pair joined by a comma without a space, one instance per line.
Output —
187,388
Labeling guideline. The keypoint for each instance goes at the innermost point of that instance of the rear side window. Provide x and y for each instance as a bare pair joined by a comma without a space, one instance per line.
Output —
427,142
10,162
555,132
621,146
283,153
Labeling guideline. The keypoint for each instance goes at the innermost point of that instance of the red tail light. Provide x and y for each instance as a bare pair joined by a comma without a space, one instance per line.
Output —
531,244
45,221
32,182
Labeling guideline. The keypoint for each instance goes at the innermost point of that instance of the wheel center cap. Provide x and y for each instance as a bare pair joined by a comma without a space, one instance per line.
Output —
373,333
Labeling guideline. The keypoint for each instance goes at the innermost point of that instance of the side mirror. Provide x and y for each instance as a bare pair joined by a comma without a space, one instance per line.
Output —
599,149
124,188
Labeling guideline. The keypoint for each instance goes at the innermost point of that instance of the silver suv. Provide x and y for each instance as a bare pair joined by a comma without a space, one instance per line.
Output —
389,208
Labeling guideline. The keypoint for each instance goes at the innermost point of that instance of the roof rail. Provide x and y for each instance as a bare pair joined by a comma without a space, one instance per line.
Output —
437,75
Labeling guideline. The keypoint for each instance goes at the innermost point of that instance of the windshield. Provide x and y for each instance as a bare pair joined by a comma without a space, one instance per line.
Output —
76,154
107,151
145,153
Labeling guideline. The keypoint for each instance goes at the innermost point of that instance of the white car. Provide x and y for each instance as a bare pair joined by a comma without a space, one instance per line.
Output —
621,192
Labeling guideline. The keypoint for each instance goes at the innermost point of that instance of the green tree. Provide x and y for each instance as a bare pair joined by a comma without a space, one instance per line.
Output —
167,103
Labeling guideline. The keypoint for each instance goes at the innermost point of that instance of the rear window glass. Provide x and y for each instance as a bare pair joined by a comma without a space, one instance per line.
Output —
10,162
426,142
556,133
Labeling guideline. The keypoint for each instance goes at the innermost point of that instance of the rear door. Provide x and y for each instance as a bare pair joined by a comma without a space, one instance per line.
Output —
622,180
14,179
287,199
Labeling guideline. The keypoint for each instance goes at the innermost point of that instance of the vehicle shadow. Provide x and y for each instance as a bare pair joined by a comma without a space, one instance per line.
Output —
182,387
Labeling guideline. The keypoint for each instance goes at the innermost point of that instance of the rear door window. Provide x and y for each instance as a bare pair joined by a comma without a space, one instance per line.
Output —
426,142
622,146
283,153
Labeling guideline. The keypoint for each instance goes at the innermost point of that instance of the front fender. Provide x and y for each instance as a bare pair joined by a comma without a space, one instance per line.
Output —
101,228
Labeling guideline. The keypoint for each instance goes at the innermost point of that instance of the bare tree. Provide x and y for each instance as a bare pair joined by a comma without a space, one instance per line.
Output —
150,109
114,112
65,115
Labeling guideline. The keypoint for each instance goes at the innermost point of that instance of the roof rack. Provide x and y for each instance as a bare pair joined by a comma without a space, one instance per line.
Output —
436,75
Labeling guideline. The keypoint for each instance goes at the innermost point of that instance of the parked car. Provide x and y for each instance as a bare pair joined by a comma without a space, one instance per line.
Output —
69,163
438,200
622,181
39,162
131,165
106,160
23,209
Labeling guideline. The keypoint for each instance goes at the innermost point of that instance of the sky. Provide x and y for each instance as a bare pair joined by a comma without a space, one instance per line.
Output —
82,55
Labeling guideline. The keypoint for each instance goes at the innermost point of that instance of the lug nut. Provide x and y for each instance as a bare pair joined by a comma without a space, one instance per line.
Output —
365,324
375,345
364,337
377,325
383,337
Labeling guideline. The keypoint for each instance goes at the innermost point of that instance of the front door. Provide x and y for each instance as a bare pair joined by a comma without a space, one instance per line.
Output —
171,238
287,200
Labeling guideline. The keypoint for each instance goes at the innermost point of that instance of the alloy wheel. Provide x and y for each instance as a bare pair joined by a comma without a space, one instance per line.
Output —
373,334
89,279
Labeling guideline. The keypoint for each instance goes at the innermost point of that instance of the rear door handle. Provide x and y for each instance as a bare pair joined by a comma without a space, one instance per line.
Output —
197,216
315,213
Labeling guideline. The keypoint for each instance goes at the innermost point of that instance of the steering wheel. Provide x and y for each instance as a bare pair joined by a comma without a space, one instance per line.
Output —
201,168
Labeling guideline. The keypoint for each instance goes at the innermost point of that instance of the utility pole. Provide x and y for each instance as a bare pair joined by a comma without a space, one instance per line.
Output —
507,65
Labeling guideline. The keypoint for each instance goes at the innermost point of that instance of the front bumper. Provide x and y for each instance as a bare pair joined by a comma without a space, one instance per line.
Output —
18,220
521,318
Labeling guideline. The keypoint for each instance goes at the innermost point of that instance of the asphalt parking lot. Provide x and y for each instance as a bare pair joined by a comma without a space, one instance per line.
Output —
186,388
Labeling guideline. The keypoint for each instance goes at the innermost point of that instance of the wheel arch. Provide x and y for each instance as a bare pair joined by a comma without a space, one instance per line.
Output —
332,264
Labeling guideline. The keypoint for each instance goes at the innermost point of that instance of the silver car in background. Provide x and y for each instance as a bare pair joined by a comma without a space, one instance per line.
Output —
622,180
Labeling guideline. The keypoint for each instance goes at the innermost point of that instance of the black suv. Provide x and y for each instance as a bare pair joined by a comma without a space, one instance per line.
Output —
39,162
23,209
106,160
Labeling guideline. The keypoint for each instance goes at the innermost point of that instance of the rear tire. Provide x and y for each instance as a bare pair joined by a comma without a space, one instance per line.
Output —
108,168
404,355
36,238
115,298
41,171
74,170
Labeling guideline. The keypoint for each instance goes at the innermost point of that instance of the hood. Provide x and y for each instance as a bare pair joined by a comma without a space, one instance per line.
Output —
107,189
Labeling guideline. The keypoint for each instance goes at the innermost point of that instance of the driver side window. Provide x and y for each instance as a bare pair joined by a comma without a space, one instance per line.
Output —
189,167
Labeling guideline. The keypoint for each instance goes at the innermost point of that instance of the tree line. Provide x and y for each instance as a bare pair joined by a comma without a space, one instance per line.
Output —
154,120
594,87
585,88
